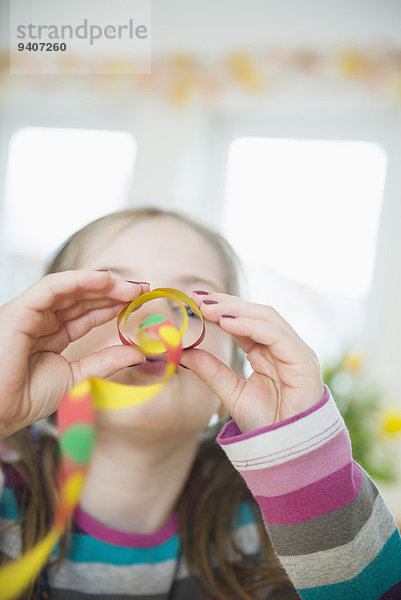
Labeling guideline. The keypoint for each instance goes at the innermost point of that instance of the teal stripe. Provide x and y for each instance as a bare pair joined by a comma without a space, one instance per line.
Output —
245,515
9,508
376,578
84,548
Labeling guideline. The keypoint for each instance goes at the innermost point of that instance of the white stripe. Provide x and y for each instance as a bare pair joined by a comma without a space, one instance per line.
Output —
290,453
335,565
288,442
247,539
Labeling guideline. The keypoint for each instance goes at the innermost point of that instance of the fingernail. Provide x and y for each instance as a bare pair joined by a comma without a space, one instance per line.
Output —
184,367
138,282
200,292
210,302
101,269
228,316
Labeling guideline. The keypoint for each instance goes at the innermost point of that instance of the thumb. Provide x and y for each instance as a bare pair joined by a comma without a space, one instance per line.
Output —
216,374
105,362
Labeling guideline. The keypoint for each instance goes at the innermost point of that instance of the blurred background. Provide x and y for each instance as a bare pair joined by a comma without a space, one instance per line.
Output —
278,124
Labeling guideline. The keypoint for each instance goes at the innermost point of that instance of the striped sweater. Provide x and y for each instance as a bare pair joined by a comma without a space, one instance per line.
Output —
330,527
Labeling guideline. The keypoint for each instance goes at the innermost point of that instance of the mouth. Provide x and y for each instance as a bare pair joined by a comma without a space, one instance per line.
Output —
155,365
156,358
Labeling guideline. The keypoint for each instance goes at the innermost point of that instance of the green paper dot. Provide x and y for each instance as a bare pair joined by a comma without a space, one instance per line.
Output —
152,320
77,442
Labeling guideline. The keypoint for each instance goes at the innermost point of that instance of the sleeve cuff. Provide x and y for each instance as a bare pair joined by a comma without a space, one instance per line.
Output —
286,441
231,433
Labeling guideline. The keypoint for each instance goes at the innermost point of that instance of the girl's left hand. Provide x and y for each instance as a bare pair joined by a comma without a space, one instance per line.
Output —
283,365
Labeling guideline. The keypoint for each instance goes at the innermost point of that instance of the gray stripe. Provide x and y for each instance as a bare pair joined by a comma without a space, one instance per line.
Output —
182,590
102,578
347,561
340,526
144,578
10,540
57,594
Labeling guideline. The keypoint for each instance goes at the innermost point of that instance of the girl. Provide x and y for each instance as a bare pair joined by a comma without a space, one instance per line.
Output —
163,512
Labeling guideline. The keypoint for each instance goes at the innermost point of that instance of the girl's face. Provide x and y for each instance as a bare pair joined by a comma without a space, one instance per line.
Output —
166,253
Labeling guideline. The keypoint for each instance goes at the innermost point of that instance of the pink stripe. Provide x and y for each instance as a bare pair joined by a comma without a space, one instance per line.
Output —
290,476
121,538
231,433
318,498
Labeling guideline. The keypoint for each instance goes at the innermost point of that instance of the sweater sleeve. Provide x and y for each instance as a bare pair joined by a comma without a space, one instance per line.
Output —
329,525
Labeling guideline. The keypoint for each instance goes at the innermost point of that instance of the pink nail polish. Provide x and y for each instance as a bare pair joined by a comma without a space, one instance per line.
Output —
201,292
138,282
228,316
210,302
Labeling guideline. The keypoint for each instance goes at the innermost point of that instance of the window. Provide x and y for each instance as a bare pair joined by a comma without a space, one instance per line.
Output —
304,215
60,179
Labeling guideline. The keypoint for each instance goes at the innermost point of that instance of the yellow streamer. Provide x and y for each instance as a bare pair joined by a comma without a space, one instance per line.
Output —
16,576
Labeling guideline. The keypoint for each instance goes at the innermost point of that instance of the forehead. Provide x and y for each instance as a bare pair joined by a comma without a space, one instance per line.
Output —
161,247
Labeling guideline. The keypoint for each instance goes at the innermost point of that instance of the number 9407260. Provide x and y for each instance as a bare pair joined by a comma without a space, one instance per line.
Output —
42,47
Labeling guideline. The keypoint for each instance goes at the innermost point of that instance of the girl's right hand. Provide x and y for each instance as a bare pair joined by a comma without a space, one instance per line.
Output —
39,324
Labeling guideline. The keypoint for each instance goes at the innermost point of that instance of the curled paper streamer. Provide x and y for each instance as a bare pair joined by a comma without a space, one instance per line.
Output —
76,425
171,293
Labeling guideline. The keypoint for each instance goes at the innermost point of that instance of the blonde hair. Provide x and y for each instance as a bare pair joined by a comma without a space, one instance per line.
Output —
208,506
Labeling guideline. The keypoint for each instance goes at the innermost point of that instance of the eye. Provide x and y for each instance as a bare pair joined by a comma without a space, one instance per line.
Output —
189,310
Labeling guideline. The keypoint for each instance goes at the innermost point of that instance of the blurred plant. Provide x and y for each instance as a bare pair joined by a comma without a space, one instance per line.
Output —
373,426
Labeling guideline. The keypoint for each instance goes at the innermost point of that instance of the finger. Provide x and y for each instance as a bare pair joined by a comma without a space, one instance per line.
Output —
76,328
37,322
213,312
84,306
283,346
224,304
215,304
60,290
105,362
245,343
216,374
